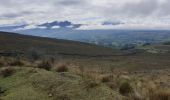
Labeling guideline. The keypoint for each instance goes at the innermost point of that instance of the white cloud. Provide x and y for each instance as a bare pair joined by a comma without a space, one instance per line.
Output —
134,13
55,27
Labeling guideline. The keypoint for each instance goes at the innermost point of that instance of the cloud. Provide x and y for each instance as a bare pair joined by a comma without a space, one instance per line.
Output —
94,12
71,2
144,7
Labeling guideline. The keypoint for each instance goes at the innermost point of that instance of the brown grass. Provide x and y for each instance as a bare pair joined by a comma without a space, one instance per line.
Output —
159,95
106,78
5,72
16,62
61,68
45,65
1,64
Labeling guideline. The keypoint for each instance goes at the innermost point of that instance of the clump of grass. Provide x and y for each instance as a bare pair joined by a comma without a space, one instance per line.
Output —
105,78
1,64
90,84
2,91
63,97
112,85
45,65
16,62
7,72
125,88
61,68
160,95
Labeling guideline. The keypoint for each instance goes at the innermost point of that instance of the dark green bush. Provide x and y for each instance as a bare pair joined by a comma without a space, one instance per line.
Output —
125,88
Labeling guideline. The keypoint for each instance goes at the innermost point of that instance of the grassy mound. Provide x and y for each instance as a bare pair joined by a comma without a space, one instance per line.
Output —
39,84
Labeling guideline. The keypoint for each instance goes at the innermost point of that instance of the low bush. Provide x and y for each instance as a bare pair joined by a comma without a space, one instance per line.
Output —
16,62
125,88
61,68
7,72
1,64
105,78
45,65
90,84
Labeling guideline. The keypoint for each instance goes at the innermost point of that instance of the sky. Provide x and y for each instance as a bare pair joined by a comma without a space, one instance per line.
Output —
123,14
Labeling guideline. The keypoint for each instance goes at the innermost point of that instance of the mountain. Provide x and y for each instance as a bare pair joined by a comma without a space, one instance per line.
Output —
110,38
62,24
11,27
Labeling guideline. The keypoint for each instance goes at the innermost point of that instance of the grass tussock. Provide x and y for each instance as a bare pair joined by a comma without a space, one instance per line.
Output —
15,62
45,65
2,61
6,72
125,88
159,95
1,64
61,68
106,78
89,84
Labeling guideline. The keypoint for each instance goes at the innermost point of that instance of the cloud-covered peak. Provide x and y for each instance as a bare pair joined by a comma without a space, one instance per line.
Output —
62,24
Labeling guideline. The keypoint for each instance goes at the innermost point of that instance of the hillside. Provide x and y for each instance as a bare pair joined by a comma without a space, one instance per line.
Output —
70,70
17,42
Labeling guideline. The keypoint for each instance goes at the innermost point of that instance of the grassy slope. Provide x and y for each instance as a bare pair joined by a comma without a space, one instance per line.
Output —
153,59
18,42
33,84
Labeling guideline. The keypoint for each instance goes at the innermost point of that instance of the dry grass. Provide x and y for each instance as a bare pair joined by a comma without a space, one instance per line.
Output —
160,95
106,78
61,67
1,64
16,62
2,61
5,72
45,65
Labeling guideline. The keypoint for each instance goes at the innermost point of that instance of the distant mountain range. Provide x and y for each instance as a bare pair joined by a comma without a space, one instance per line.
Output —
69,31
62,24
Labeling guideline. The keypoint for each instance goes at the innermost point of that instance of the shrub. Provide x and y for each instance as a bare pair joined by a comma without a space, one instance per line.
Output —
112,85
105,78
1,64
7,72
125,88
45,65
16,62
90,84
61,68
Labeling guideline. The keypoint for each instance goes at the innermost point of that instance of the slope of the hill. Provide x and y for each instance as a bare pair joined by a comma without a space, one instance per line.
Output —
17,42
39,84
